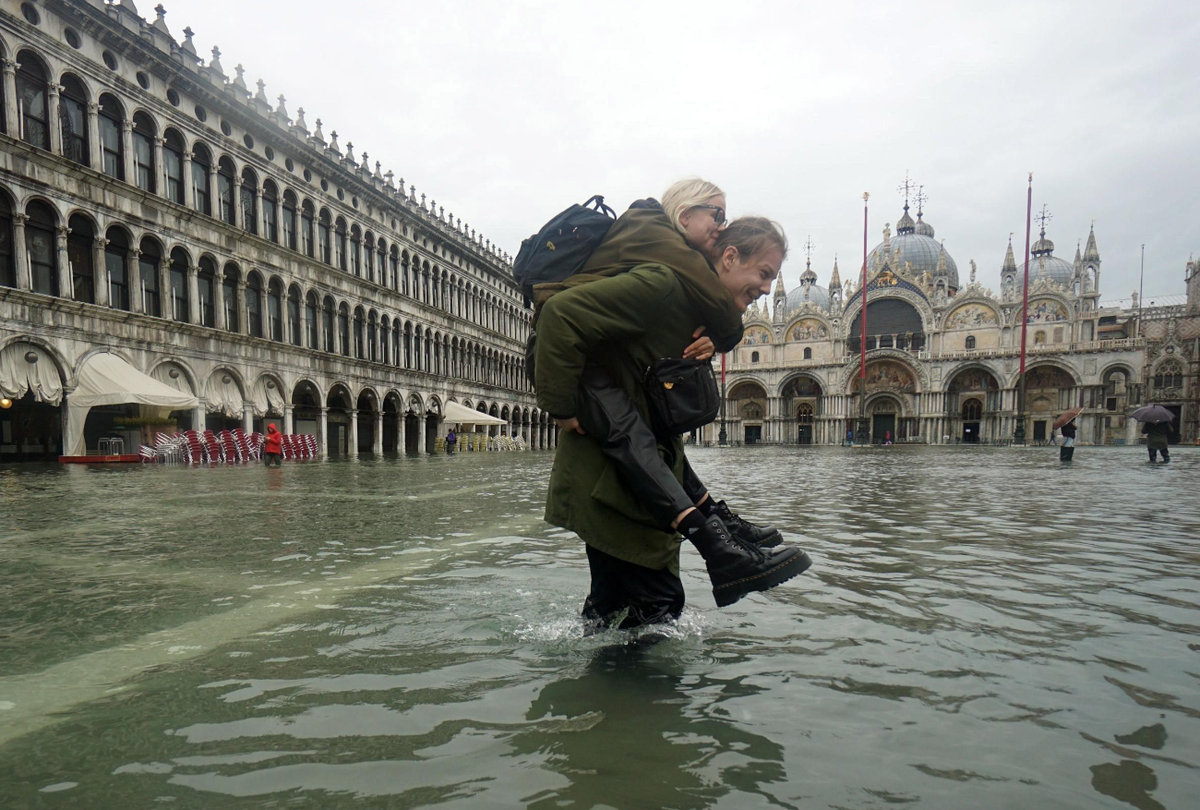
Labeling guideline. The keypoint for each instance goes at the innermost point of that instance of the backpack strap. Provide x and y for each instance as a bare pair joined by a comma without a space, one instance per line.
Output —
597,204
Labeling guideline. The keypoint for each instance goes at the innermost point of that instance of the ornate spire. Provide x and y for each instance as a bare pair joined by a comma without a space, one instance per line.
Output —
214,64
835,280
1043,246
188,45
239,81
1091,253
1078,259
1010,262
941,268
161,22
780,292
905,224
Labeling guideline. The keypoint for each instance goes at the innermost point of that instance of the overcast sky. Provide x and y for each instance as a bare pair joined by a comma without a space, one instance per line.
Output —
507,112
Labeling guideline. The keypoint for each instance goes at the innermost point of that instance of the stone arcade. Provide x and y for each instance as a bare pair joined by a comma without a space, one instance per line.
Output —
153,207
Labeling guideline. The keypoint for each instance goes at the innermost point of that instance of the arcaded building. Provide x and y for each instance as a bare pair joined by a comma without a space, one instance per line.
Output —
943,351
155,208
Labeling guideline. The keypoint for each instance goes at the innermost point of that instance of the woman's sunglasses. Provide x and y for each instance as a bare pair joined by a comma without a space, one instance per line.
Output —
718,214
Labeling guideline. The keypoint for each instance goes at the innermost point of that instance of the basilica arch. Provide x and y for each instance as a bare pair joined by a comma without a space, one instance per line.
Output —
800,404
973,404
746,411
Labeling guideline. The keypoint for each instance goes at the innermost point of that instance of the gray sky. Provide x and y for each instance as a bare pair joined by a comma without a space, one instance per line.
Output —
507,112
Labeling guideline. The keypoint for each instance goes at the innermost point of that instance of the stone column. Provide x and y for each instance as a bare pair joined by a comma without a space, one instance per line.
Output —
214,201
20,250
288,422
378,435
52,111
243,316
127,150
189,193
259,219
93,125
219,303
247,418
237,203
199,418
160,182
100,268
11,124
353,450
133,276
193,292
66,284
165,305
323,433
279,226
303,321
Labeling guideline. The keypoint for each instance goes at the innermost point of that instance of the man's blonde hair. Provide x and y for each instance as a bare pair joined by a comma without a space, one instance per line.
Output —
685,195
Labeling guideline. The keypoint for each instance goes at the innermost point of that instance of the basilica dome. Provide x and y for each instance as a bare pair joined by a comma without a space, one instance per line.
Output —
914,244
1044,264
807,292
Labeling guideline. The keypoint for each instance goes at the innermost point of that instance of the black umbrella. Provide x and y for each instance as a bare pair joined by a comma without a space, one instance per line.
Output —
1153,413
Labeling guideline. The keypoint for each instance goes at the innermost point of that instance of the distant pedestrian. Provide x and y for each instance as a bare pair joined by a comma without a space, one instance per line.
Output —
849,438
887,437
451,440
1157,436
273,446
1067,450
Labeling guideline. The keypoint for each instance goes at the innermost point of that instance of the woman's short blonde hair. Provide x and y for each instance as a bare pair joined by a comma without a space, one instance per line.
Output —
687,194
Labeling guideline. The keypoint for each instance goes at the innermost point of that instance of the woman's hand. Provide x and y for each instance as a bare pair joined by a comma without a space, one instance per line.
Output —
569,425
702,349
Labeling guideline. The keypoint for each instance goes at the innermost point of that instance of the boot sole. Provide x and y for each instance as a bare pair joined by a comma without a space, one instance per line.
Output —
730,592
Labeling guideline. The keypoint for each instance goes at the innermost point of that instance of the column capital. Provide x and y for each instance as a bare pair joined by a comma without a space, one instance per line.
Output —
164,262
127,125
11,66
100,242
160,141
53,89
93,108
20,218
63,231
134,253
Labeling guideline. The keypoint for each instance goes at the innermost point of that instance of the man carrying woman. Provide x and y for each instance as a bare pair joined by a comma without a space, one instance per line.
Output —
651,291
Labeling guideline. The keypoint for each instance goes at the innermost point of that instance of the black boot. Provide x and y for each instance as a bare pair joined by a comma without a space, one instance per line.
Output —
761,536
736,567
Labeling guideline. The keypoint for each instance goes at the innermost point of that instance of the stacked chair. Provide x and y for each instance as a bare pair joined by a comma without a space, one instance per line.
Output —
226,447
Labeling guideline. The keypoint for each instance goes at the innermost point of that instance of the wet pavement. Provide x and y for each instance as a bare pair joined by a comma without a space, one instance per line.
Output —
982,627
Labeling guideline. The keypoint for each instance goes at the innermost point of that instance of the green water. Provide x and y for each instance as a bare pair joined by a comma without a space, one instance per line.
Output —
981,628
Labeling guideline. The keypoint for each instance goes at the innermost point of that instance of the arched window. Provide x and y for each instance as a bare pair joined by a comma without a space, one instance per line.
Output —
404,274
206,287
804,414
306,231
116,265
180,263
327,325
359,351
372,338
753,357
408,345
275,310
437,354
355,251
383,357
340,244
249,201
323,236
173,164
437,283
395,361
808,353
972,410
294,315
970,342
369,256
310,317
72,118
201,191
269,197
225,201
79,253
229,285
289,220
112,151
254,291
42,248
148,262
394,265
344,329
144,133
33,113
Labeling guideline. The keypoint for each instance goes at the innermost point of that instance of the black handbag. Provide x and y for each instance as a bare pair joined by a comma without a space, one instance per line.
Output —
683,394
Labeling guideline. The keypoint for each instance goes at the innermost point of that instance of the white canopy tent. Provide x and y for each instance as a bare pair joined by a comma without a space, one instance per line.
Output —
461,415
106,379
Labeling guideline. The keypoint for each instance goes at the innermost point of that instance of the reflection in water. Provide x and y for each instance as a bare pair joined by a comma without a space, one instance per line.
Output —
981,627
644,733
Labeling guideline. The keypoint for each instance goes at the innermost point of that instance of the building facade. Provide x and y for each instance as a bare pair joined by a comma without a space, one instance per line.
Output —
154,208
943,354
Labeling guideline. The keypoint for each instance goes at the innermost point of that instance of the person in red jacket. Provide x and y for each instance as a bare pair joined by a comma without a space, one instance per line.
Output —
273,446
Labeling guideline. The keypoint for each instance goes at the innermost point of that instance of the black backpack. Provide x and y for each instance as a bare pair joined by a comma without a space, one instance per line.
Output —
561,248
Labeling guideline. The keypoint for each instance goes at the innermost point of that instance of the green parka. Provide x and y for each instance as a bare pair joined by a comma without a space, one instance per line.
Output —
623,321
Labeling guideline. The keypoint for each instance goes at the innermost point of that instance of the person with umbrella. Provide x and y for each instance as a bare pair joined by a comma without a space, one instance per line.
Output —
1065,424
1157,430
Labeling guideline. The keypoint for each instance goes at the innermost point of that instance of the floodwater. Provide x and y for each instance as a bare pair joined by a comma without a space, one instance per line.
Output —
982,627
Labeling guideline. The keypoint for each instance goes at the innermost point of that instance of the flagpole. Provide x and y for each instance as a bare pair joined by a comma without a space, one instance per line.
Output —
862,364
722,436
1019,433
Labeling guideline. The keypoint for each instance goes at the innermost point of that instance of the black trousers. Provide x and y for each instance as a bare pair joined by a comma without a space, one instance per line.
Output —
608,415
273,458
1166,454
1065,453
648,596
